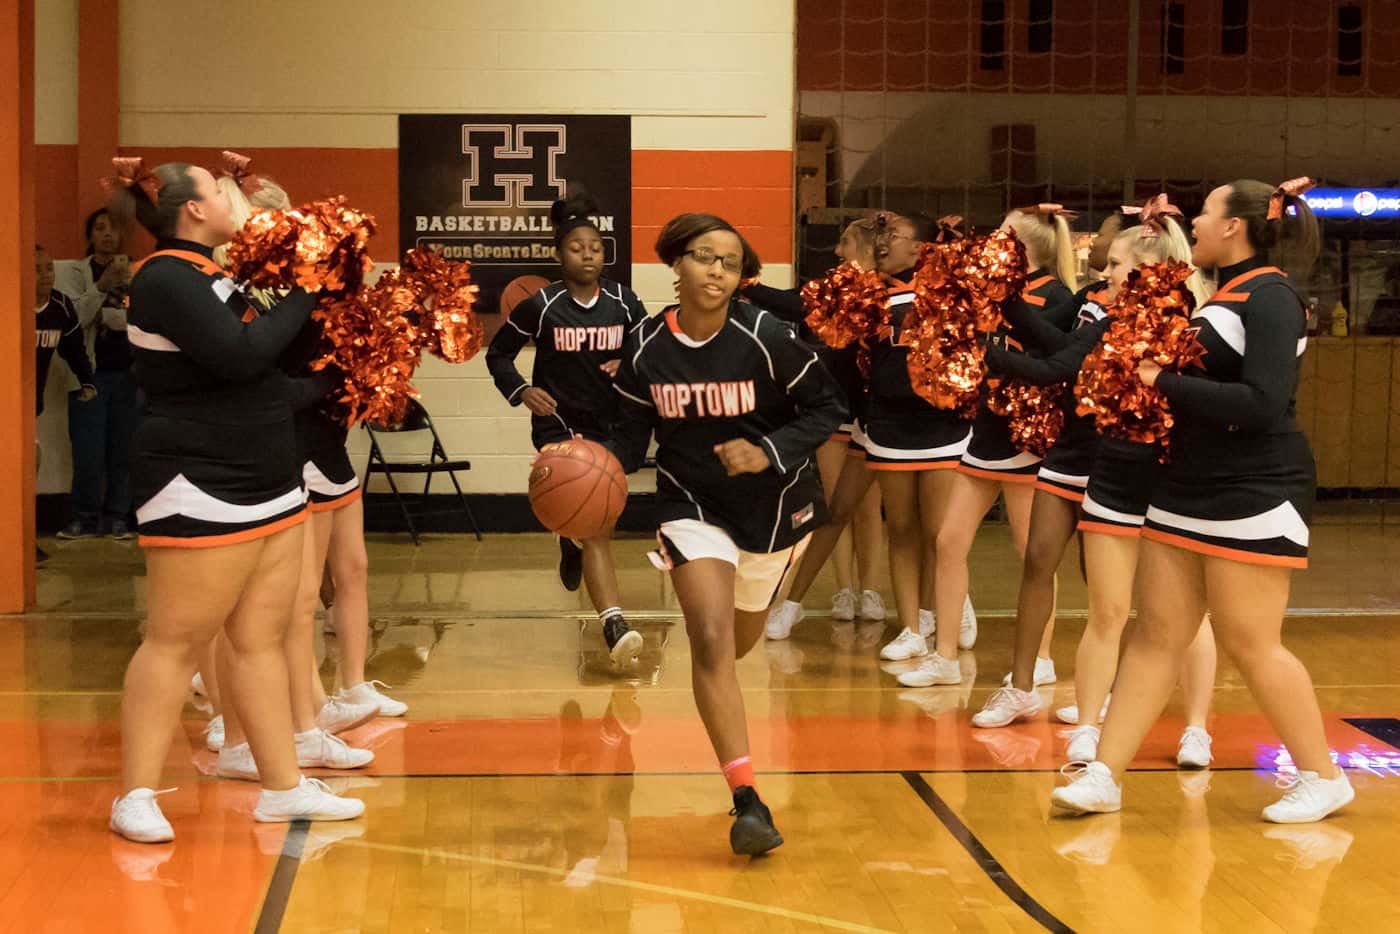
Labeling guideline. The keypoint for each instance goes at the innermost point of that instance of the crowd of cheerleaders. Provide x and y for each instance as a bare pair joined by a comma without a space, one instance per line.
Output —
236,437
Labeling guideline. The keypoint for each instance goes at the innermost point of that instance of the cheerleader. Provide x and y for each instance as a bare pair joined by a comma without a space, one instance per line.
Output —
851,494
1228,520
1076,461
739,407
333,494
990,464
220,506
578,325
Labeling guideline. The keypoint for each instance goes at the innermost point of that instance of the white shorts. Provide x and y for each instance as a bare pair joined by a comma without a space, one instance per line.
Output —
758,577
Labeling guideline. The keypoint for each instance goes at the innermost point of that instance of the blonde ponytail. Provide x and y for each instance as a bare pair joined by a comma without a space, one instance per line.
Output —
1064,262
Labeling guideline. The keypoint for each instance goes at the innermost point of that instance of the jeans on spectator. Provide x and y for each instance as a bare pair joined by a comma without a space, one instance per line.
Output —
101,431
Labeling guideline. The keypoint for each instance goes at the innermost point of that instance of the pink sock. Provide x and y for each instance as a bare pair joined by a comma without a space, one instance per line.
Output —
738,773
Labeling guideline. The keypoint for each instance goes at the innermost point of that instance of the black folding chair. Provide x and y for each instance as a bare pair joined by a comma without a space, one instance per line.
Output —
417,419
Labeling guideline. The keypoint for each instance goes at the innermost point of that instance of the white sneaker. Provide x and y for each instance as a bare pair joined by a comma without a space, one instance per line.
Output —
1070,714
928,623
1005,707
309,800
843,605
317,749
237,762
1083,744
871,606
1194,749
367,692
935,670
782,618
906,645
340,715
1309,798
1091,790
214,734
136,815
1044,674
967,627
197,685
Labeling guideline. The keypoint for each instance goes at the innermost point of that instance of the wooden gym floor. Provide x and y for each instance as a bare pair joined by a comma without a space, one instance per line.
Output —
530,789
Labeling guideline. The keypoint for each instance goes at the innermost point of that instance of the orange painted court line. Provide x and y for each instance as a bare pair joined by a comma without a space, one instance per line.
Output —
474,746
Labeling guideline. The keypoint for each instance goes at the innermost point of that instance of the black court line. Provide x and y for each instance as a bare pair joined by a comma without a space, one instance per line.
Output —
279,890
1385,729
979,852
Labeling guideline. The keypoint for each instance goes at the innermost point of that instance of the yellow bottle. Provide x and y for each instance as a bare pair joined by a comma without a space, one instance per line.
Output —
1339,319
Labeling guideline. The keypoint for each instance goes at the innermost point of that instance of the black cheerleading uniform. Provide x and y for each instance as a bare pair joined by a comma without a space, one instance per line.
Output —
56,328
902,431
215,457
752,379
572,342
1066,468
1241,480
990,453
842,363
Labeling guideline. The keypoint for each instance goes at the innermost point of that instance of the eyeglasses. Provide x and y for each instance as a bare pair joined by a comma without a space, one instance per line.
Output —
706,257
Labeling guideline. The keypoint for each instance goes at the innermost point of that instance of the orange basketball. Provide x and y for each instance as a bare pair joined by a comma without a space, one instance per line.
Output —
577,488
519,289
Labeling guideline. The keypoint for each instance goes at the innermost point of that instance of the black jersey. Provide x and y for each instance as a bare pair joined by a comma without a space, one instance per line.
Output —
572,342
56,328
1045,298
1254,330
890,387
1061,355
753,379
198,350
843,363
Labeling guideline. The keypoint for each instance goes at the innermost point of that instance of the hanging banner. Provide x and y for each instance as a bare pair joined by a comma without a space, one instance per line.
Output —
478,187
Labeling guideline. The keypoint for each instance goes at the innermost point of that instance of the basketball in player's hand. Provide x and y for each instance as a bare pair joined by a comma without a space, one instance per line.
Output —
577,488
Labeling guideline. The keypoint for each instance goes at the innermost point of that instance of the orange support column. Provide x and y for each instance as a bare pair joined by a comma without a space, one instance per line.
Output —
16,304
99,102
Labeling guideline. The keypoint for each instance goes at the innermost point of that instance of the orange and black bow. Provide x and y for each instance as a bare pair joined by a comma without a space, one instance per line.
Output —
1293,189
129,172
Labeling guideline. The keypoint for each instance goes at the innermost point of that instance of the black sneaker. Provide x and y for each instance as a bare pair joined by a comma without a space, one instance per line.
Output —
121,532
570,564
624,644
76,530
753,833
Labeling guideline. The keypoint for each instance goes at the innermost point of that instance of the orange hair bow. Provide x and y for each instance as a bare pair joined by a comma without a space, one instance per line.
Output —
129,171
950,228
1152,214
1048,209
236,167
1293,188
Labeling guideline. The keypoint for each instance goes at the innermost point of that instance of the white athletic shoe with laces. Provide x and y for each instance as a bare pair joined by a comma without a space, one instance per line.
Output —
237,762
904,646
368,692
782,618
214,734
935,669
1005,707
1194,750
1044,673
1091,790
340,715
136,815
1308,797
309,800
317,749
1083,744
843,605
1070,714
967,626
928,623
871,606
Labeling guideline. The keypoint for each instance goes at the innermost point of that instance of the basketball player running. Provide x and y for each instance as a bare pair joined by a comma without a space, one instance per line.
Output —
577,325
739,407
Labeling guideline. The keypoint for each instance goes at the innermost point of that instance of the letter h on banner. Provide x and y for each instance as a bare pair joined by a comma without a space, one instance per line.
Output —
512,165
